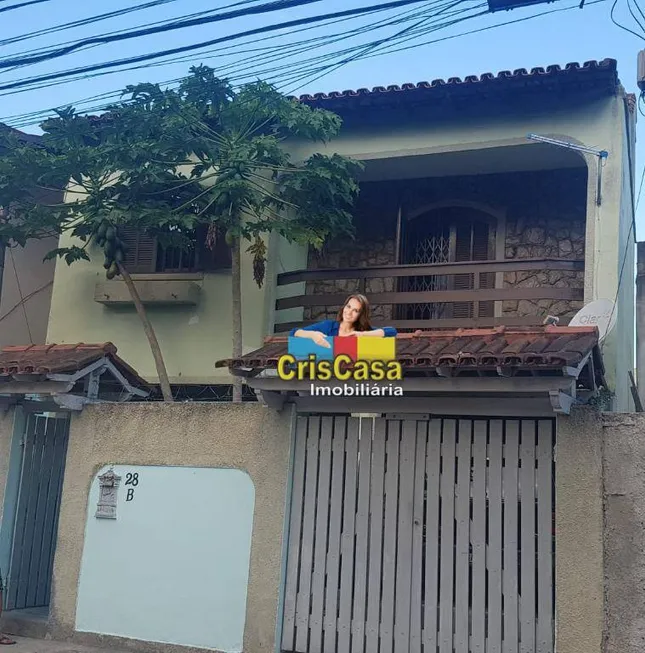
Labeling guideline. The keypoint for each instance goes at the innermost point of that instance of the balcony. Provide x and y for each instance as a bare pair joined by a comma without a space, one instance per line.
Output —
513,292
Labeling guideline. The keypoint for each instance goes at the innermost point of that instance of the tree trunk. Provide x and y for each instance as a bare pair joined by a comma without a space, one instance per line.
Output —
236,280
150,334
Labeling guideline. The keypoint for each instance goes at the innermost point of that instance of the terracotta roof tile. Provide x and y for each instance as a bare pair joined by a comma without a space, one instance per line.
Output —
544,348
602,72
61,359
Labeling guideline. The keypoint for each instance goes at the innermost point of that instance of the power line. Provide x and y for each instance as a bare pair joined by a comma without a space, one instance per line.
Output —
303,67
275,5
27,119
21,5
82,22
615,22
197,46
228,51
22,297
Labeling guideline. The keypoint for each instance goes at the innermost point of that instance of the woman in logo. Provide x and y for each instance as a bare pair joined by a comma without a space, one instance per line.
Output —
353,319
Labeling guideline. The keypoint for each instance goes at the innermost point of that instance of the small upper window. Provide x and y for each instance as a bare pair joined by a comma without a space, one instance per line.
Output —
146,255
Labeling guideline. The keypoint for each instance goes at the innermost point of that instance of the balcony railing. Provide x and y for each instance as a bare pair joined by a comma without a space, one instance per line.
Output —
474,293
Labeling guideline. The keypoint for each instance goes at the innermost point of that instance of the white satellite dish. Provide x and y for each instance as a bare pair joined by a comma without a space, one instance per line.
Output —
600,313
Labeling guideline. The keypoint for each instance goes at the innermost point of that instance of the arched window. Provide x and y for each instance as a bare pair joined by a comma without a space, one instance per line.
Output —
452,234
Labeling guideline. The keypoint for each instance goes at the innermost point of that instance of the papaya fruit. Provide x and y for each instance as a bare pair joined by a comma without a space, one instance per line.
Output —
110,234
102,230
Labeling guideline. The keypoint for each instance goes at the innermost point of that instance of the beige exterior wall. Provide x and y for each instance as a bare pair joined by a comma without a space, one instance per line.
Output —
600,125
600,518
192,339
624,538
246,437
579,534
25,297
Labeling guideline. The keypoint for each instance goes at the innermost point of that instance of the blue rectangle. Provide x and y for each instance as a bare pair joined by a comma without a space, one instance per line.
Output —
302,348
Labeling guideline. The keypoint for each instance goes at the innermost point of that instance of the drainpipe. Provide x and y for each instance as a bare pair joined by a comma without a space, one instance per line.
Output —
640,319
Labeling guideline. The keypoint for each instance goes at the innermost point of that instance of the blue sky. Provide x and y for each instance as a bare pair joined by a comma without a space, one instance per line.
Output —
556,38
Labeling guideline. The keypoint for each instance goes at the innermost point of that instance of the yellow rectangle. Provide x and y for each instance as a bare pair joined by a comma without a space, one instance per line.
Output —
375,349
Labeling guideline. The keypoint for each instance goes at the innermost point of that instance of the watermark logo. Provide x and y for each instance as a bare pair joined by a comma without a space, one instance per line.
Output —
350,366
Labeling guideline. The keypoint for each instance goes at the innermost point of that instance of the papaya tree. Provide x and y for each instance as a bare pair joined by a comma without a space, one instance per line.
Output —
93,166
244,177
169,161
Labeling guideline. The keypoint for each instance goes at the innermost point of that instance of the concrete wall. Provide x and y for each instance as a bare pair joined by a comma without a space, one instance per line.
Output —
249,438
624,541
188,528
600,555
579,534
620,346
25,296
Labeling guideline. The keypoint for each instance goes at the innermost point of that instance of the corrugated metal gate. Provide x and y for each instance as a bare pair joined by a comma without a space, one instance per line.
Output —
411,536
34,539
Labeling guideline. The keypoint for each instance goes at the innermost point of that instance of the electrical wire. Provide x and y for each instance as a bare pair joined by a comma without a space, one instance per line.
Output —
22,297
82,22
196,46
31,118
56,52
21,5
615,22
226,51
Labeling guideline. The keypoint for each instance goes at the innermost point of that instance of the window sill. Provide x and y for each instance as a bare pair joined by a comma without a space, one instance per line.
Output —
168,276
154,290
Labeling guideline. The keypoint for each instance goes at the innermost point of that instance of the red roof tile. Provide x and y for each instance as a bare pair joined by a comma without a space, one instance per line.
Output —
603,73
534,348
61,359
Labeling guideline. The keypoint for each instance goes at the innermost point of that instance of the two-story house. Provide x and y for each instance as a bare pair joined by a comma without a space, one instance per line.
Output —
419,522
510,228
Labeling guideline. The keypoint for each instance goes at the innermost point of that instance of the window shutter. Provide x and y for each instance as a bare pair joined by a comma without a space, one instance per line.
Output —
141,251
483,251
473,244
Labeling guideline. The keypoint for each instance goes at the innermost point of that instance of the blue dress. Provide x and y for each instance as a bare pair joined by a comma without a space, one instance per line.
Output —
330,328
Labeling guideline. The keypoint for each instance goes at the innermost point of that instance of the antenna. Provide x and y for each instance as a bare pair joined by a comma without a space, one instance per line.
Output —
601,154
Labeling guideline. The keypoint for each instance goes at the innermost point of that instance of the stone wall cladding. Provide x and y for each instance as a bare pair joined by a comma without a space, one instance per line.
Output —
545,218
544,237
364,253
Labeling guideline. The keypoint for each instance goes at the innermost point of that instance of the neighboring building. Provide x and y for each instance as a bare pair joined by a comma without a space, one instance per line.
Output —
26,282
451,179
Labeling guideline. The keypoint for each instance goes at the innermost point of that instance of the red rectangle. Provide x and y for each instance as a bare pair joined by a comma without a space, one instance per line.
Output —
347,345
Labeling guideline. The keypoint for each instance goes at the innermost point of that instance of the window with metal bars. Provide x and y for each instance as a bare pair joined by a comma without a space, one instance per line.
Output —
449,235
145,254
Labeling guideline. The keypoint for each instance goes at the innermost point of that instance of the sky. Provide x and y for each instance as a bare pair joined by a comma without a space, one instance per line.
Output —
564,33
